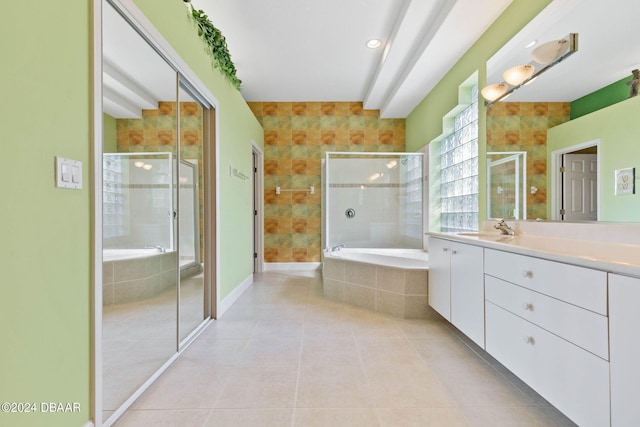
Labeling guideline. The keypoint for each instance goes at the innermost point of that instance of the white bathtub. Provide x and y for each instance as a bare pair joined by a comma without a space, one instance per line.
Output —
411,259
391,281
122,254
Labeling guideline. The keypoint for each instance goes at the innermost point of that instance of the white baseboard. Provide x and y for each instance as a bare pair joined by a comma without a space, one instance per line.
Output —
280,266
226,303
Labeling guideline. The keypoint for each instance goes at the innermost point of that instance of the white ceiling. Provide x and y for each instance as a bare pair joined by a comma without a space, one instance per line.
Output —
608,49
310,50
304,50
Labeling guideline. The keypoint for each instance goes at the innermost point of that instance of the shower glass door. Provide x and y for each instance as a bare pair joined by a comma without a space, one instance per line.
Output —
140,251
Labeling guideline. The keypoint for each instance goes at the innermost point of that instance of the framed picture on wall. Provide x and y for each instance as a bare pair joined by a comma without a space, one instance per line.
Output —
625,181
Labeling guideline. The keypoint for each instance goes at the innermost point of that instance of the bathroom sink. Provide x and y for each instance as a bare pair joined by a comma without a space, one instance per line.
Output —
488,235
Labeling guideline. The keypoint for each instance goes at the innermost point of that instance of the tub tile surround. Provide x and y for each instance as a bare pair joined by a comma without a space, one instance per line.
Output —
395,291
138,278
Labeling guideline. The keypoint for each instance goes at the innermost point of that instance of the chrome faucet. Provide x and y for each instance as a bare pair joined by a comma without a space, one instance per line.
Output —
504,228
336,248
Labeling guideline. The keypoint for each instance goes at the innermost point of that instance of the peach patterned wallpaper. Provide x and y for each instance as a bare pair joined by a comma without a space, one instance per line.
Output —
296,137
522,126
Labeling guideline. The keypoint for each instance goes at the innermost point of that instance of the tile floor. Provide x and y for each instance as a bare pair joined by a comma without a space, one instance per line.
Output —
283,355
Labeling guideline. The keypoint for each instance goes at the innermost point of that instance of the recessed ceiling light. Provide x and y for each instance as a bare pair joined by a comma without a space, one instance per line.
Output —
374,43
531,43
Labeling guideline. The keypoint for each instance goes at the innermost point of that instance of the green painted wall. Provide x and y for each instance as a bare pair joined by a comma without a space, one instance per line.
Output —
608,95
45,255
616,127
425,122
237,128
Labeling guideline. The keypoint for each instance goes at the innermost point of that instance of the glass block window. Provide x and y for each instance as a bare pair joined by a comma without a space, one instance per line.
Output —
411,200
459,171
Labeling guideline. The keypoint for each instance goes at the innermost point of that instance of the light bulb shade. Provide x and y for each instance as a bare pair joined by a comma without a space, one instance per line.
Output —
516,75
493,92
550,51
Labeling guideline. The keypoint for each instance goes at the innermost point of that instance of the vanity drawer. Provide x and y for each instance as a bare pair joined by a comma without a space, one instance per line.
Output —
572,379
582,327
580,286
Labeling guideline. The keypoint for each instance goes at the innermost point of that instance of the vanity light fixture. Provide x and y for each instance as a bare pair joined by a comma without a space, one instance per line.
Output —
547,55
494,92
516,75
373,43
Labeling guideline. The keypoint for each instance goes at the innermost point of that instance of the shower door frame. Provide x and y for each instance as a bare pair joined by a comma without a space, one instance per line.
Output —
520,187
325,178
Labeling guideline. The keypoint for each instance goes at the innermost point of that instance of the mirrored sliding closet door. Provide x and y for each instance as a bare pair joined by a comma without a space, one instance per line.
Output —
154,175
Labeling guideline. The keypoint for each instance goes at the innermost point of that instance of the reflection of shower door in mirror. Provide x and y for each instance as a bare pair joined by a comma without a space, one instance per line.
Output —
191,213
580,187
506,184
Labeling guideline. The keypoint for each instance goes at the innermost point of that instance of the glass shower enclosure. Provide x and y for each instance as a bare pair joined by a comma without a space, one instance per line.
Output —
373,200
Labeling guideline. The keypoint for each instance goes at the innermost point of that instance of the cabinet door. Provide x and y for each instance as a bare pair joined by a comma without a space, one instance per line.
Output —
572,379
624,322
467,290
439,276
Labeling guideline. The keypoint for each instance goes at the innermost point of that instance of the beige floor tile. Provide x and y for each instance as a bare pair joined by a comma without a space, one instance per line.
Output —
216,351
189,384
328,328
421,417
333,387
509,417
329,351
259,387
390,351
358,417
405,386
271,351
231,329
250,418
278,328
164,418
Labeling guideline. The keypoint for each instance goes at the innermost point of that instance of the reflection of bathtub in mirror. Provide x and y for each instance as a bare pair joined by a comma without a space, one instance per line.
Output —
136,274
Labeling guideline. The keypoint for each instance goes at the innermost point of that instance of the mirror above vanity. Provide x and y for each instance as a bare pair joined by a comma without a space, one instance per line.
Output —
566,111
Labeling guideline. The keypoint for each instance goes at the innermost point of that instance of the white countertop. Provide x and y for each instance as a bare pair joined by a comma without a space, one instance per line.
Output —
615,257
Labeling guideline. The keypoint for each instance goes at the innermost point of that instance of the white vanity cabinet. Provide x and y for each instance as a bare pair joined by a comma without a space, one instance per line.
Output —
456,285
624,324
547,323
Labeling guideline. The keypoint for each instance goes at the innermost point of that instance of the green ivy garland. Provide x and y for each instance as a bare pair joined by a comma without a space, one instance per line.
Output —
217,44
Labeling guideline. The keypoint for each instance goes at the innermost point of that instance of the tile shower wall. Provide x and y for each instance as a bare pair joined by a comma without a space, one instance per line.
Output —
296,137
156,132
522,126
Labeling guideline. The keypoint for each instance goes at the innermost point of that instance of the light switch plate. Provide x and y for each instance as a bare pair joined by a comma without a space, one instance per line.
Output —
68,173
